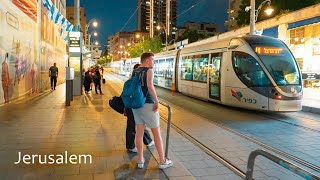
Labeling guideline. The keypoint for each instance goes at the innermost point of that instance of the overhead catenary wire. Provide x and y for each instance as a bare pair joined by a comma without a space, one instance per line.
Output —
188,9
131,17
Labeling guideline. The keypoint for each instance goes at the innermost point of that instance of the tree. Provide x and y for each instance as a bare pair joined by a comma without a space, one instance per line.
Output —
192,35
148,45
279,6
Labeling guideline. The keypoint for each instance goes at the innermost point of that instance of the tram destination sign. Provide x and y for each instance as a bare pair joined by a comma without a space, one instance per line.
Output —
268,50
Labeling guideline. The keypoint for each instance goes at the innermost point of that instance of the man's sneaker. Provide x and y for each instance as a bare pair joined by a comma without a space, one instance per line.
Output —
134,150
151,144
168,163
140,165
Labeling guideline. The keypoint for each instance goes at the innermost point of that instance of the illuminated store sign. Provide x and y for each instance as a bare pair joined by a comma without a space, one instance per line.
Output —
268,50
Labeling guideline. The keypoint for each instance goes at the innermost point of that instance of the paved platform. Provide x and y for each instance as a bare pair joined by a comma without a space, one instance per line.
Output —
43,125
311,100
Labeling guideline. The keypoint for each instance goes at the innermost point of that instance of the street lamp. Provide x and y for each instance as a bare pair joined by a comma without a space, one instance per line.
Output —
255,13
159,28
94,22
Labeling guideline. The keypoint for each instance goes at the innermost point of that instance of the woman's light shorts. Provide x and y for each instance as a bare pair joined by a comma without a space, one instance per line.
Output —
146,115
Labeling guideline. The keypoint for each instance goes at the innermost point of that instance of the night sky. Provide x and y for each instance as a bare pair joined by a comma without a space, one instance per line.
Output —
113,14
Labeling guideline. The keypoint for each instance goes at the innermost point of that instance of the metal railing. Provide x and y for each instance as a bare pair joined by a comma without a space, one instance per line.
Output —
168,127
278,160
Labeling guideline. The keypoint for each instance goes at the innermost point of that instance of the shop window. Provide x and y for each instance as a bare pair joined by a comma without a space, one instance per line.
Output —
248,70
296,36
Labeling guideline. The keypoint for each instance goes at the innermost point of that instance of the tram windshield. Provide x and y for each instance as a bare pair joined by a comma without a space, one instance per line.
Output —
279,62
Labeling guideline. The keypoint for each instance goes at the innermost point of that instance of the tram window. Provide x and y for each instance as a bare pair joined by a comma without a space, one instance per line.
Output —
156,67
161,67
248,70
281,65
200,66
169,70
186,68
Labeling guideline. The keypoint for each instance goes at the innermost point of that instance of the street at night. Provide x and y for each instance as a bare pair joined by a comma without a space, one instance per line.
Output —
160,89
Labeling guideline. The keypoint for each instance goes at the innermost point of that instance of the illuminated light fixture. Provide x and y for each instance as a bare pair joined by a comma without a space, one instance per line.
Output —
269,10
96,43
158,27
129,44
95,23
138,36
296,39
121,46
95,34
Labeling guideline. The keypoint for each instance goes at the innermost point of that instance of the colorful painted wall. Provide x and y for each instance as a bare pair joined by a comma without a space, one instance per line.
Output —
20,68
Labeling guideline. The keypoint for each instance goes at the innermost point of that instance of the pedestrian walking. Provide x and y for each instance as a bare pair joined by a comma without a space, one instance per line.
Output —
53,74
97,80
131,131
148,114
87,81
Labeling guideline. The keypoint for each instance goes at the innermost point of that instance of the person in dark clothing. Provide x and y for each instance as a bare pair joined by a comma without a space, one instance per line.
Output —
87,81
131,133
97,80
131,130
53,74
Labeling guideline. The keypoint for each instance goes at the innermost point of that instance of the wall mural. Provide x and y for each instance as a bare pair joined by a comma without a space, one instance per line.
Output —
18,51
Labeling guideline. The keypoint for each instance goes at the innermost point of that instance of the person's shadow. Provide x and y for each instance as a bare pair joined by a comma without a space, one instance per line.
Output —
130,169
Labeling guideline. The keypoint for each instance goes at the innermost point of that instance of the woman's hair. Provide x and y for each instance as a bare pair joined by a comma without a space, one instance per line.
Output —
136,66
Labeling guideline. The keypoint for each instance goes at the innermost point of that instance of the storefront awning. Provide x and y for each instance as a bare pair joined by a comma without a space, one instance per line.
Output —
304,22
272,32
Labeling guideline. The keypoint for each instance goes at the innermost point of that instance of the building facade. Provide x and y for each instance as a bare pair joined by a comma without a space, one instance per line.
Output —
231,23
119,43
83,20
159,15
24,58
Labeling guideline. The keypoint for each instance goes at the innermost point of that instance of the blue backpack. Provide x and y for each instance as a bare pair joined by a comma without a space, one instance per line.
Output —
132,94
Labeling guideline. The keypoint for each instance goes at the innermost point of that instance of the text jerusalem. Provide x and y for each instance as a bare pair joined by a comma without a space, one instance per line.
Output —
63,158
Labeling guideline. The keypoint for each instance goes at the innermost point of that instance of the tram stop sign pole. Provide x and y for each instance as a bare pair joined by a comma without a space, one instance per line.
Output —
74,64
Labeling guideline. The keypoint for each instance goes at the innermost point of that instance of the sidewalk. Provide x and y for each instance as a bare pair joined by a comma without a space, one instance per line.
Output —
311,100
45,126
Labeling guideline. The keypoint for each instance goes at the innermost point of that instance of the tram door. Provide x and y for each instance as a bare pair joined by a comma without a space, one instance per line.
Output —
214,69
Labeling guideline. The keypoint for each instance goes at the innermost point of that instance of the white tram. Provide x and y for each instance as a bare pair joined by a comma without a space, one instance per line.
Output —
251,72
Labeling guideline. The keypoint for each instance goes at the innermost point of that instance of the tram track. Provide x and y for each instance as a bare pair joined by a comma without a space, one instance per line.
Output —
260,143
242,135
293,124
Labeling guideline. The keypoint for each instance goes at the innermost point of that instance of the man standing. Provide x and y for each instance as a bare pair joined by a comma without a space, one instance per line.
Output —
148,114
53,74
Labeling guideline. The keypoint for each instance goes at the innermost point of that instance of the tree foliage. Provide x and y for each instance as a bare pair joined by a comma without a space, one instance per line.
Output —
148,45
279,6
192,35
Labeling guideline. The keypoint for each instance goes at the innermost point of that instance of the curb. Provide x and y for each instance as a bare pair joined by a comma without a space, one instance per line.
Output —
311,109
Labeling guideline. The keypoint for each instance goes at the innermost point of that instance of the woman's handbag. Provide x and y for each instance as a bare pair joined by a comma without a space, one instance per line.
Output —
116,103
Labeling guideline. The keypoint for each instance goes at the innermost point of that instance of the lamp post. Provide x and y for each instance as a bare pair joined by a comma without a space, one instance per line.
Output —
166,33
255,13
95,24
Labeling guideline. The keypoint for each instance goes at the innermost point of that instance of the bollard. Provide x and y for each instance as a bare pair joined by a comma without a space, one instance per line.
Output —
168,128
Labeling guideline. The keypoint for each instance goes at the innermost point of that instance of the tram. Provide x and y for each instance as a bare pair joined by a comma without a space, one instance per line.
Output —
251,72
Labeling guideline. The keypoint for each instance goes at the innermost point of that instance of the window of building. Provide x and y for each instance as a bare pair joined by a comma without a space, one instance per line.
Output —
296,36
248,70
